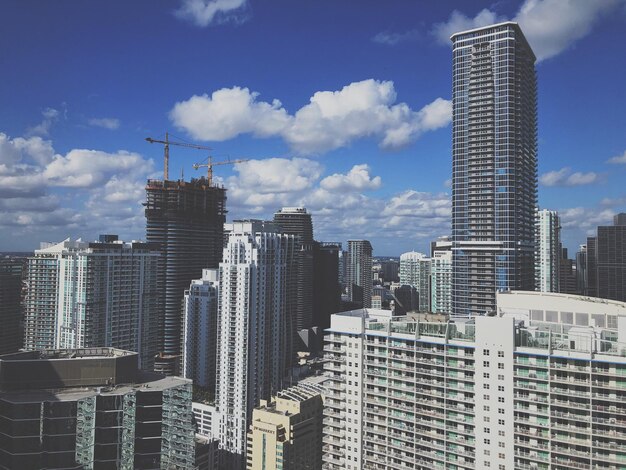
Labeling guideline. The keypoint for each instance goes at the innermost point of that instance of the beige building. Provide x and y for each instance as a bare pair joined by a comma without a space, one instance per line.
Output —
286,432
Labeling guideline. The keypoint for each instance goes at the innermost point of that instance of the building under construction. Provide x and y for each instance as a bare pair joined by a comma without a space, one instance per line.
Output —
187,220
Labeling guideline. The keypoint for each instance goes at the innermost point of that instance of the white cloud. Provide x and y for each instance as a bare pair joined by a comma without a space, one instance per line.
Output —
391,39
619,159
227,113
106,123
204,12
82,168
358,178
565,177
106,195
551,26
50,116
459,22
331,120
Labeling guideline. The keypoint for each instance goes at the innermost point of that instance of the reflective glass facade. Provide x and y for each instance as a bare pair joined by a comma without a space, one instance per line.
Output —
494,181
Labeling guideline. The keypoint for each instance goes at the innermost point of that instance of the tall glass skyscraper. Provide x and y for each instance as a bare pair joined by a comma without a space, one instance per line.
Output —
494,179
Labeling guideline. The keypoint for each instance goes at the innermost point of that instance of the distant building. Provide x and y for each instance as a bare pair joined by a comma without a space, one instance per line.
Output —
360,272
568,278
581,269
92,408
390,270
494,166
296,221
186,220
326,284
606,261
11,305
94,294
286,431
547,250
441,281
406,299
415,271
443,243
200,330
252,331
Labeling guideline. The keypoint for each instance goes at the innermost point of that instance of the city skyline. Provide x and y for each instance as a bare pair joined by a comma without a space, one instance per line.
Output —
73,160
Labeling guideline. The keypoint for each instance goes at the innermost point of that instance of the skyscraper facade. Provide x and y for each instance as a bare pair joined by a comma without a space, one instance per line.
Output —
360,272
326,285
92,408
441,282
415,270
606,261
252,331
200,330
94,294
494,180
186,220
11,306
547,251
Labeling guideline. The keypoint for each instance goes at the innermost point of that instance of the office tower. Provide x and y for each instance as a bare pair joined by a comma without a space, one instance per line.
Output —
360,272
200,330
441,282
286,432
343,271
581,269
379,296
547,250
609,261
591,285
406,299
11,305
568,277
91,408
252,331
537,385
494,179
186,220
326,284
415,271
94,294
443,243
296,221
390,270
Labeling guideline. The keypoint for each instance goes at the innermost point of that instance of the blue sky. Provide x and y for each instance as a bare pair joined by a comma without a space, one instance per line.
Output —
341,106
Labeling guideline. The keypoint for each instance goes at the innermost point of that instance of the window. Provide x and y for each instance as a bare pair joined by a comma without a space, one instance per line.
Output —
486,430
486,386
502,456
501,422
501,444
487,452
485,352
485,397
485,363
501,388
500,353
486,375
486,407
501,433
501,399
500,377
487,441
487,419
500,365
501,411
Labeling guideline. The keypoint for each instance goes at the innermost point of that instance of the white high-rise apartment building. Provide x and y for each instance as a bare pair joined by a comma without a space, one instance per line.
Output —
252,327
539,385
94,294
547,250
415,271
494,167
200,330
441,282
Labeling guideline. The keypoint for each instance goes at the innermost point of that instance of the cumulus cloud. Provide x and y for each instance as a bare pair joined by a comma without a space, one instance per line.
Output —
459,22
389,38
204,12
565,177
50,116
358,178
105,123
331,119
343,205
619,159
551,26
107,190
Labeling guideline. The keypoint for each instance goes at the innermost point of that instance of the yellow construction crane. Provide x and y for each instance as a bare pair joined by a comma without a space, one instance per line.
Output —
166,151
210,163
